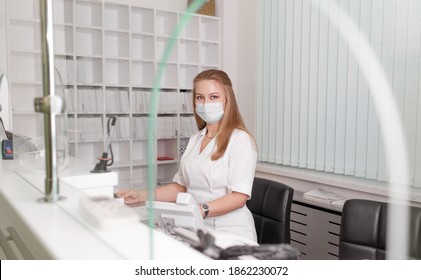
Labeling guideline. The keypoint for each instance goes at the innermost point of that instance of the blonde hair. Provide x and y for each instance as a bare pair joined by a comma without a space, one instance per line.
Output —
231,119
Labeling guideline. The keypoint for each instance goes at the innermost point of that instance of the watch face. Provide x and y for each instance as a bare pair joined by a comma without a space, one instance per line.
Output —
205,207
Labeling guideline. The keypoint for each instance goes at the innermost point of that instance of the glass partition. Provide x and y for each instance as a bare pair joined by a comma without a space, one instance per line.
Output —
105,59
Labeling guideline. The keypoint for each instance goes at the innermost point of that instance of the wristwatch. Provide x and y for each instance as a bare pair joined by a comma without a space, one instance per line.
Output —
205,209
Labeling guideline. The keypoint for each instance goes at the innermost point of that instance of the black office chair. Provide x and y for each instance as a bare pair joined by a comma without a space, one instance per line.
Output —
363,230
270,205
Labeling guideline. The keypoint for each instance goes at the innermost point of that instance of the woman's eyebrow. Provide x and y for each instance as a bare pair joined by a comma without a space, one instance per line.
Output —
212,93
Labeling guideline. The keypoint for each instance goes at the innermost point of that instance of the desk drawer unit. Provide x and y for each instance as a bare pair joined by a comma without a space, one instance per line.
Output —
315,231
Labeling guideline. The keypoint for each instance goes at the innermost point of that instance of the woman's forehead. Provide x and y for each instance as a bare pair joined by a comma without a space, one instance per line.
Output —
207,87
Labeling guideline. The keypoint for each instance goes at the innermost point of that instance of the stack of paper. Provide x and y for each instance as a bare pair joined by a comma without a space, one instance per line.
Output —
187,126
324,196
141,100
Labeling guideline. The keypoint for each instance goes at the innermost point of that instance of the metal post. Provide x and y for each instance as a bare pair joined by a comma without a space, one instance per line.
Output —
49,104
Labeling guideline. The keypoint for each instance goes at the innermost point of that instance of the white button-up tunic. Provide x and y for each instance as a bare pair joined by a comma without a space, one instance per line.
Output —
208,180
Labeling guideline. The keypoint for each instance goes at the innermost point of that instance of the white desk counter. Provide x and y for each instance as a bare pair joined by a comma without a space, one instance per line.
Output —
58,230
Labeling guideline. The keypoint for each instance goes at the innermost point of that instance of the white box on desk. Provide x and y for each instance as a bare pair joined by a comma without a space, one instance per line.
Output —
77,175
94,184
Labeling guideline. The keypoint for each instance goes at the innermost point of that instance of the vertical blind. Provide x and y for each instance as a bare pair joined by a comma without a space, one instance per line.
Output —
313,103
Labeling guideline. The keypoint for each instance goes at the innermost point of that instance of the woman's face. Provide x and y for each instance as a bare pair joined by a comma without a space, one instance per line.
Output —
209,91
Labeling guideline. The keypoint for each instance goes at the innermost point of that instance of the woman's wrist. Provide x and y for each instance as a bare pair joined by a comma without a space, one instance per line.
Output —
204,208
144,195
201,211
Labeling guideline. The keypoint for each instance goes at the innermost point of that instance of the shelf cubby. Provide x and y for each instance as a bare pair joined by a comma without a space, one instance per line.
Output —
72,147
30,12
117,16
167,148
142,47
166,172
90,152
139,155
64,69
117,100
189,51
63,39
28,39
210,29
27,67
165,23
116,72
88,70
166,127
25,92
210,54
21,127
69,98
63,11
73,134
170,75
90,128
124,176
116,44
121,152
187,74
139,177
168,100
142,73
161,48
142,20
185,102
187,126
140,100
191,30
139,127
89,99
88,14
89,41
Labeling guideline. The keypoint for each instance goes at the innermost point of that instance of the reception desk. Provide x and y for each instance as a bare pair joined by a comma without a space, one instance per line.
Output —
39,230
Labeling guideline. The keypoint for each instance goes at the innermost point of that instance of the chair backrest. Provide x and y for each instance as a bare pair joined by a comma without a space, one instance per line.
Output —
270,205
363,230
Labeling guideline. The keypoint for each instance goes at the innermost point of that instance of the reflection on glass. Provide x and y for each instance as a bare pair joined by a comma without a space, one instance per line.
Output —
4,103
30,152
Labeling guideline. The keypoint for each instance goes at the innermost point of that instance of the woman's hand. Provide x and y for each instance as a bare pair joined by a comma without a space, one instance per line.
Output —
166,193
131,196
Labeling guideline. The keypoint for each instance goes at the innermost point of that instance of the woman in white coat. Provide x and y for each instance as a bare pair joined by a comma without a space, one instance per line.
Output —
219,163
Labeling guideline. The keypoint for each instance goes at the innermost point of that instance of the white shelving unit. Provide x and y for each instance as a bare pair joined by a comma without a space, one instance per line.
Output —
107,54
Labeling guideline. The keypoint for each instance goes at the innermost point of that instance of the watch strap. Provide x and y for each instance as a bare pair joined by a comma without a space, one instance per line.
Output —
205,209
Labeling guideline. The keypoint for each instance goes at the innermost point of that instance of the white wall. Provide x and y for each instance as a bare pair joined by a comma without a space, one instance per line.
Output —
4,97
247,60
3,42
239,55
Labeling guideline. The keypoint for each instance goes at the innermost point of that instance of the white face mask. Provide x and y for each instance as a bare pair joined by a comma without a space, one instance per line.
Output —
210,112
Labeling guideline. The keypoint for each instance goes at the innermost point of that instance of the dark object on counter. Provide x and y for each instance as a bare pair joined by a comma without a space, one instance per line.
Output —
7,149
263,252
104,160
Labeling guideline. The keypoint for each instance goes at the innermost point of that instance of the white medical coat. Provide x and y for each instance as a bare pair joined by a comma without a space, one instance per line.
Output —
208,180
